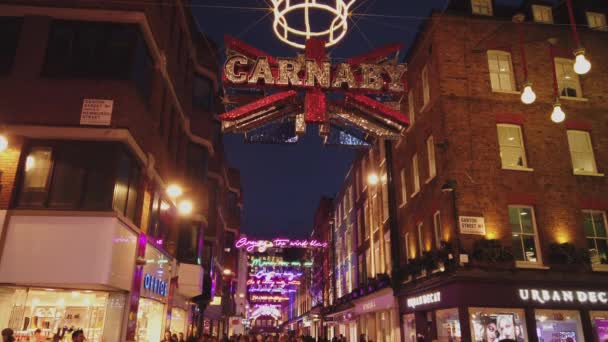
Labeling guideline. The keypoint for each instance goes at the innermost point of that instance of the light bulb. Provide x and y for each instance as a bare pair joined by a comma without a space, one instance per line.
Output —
185,207
3,143
527,94
373,179
558,114
174,191
581,63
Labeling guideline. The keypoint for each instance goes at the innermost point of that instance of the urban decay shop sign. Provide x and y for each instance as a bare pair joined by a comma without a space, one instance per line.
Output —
424,299
544,296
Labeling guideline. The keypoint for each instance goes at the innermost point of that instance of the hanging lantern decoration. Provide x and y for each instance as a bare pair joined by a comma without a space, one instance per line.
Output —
581,63
527,94
558,114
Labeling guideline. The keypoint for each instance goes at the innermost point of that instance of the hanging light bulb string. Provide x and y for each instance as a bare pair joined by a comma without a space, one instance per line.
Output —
555,86
577,39
522,50
557,115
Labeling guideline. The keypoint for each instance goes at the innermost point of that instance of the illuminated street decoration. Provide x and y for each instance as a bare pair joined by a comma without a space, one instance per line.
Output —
268,289
346,100
267,276
268,298
259,262
274,283
266,310
263,245
293,35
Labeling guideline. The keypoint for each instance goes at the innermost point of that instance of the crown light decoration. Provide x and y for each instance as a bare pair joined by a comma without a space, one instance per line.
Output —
331,33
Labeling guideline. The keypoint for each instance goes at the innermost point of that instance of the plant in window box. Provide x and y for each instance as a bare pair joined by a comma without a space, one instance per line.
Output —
414,267
568,257
490,253
430,261
446,254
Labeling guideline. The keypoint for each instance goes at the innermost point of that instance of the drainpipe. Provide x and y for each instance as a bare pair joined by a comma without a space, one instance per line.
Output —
392,214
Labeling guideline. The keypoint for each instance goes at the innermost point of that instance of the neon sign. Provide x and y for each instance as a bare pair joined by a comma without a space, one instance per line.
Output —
275,283
266,310
269,289
155,285
427,298
270,275
258,262
268,298
263,245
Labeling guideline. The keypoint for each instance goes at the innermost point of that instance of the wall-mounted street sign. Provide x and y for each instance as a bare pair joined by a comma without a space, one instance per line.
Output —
96,112
472,225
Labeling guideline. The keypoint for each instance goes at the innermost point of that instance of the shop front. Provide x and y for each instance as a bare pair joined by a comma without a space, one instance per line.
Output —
376,317
152,309
477,311
59,290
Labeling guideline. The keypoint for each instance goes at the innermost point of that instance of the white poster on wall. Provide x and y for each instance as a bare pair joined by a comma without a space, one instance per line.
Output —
472,225
96,112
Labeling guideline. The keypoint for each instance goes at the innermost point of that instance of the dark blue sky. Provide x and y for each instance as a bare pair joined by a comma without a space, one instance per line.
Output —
282,184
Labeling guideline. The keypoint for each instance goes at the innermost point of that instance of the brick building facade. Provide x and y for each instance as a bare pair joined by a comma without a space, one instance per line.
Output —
83,198
475,153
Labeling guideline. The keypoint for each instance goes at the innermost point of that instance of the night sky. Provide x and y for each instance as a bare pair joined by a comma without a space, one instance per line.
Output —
282,184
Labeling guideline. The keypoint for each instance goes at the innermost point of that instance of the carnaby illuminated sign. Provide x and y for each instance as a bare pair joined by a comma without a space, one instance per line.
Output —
155,285
544,296
310,73
427,298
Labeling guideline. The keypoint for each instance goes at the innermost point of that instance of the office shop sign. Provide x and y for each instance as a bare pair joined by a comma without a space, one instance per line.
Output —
156,285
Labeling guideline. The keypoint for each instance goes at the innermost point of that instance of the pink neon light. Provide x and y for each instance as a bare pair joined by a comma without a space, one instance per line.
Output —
262,245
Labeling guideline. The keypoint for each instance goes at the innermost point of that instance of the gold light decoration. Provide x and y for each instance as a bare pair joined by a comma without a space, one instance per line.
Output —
372,77
288,72
331,34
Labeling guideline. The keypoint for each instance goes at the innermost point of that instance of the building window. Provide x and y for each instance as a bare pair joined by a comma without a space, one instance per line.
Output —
568,82
98,50
499,324
368,216
581,152
438,229
403,187
202,93
127,185
10,31
197,163
523,228
594,223
501,71
597,21
67,175
411,107
420,231
426,93
407,247
415,173
430,150
387,252
542,14
563,323
481,7
511,143
377,258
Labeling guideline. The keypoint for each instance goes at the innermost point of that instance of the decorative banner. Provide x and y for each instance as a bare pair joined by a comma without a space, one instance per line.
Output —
263,245
306,83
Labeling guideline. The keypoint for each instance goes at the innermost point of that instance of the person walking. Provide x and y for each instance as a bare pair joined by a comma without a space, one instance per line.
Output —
7,335
78,336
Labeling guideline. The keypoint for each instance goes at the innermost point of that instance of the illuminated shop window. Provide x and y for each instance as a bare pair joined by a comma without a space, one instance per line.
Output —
448,325
558,325
599,321
497,324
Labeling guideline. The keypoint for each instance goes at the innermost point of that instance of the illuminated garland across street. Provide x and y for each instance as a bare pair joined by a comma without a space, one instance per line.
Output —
259,262
274,283
266,310
263,245
267,276
268,298
269,289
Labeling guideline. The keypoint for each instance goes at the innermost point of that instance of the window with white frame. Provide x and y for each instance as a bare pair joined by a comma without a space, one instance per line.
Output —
542,14
511,143
501,71
411,107
415,173
430,150
594,224
524,235
597,21
568,82
403,187
581,152
407,247
426,92
481,7
437,228
420,230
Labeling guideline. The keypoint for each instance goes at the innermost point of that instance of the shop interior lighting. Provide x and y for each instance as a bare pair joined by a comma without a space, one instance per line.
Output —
174,191
338,10
3,142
